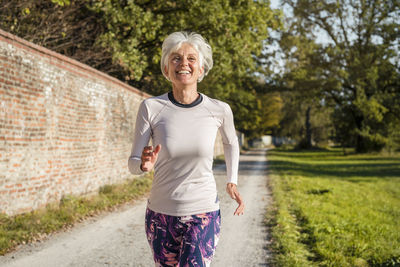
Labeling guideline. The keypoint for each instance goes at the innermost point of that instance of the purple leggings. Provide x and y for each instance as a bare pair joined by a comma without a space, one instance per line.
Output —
183,240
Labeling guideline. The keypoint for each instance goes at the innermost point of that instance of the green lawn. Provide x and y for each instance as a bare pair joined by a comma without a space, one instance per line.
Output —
334,210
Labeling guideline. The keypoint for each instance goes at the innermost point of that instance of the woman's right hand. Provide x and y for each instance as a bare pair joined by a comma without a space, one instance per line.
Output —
149,157
234,193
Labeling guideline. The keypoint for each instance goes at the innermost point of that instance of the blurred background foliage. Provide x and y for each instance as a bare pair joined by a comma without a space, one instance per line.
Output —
352,76
344,90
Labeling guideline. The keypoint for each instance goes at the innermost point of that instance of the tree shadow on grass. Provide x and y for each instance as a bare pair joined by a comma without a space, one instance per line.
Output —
345,170
335,155
333,164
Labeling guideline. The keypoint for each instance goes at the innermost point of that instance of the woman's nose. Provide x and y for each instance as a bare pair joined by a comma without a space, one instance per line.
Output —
184,62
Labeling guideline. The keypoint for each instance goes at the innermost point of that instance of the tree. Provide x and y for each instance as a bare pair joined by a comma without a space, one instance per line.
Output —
123,38
358,65
67,27
306,109
256,114
236,43
306,122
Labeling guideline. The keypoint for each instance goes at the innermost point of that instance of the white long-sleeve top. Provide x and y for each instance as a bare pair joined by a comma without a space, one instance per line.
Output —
183,179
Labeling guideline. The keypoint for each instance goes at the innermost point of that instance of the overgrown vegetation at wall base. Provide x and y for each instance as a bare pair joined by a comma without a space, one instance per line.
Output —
335,210
29,227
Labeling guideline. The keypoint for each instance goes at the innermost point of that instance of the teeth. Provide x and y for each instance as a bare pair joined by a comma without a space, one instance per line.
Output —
183,72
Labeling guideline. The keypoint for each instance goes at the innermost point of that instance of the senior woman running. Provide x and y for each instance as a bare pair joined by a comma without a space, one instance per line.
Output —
183,217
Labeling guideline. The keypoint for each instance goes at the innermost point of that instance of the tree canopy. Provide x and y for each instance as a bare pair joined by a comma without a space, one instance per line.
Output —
341,73
124,38
355,67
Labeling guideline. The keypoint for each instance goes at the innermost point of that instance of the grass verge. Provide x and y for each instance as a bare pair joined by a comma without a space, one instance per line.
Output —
28,227
332,209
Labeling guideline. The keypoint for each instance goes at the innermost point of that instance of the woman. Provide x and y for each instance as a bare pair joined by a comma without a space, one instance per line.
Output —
182,216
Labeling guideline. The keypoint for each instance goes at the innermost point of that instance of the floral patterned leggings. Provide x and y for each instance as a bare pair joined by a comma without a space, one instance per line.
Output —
183,240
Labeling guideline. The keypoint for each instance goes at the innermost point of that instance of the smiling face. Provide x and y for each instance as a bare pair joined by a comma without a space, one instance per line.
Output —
184,66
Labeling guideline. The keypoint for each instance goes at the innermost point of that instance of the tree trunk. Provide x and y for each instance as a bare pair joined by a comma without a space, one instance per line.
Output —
308,143
361,142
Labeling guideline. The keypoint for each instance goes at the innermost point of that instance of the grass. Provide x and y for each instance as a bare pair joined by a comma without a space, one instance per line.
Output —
332,209
28,227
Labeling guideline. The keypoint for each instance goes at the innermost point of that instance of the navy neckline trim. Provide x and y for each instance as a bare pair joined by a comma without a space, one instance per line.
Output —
193,104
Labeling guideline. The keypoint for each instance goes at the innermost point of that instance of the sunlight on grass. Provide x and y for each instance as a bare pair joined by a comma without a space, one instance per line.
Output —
335,210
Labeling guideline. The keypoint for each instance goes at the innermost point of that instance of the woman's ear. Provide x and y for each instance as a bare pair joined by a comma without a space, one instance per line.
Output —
166,70
201,71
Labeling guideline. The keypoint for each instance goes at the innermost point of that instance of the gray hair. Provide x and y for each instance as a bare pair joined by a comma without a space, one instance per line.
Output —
174,41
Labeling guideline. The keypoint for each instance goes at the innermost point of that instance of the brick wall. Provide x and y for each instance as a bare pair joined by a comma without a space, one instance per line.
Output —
65,128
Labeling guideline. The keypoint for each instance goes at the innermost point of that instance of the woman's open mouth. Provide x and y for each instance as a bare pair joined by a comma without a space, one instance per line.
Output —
183,72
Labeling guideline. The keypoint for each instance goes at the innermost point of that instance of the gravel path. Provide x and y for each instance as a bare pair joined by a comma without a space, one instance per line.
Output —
118,238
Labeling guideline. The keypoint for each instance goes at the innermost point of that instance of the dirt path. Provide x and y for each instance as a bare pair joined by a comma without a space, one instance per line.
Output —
118,239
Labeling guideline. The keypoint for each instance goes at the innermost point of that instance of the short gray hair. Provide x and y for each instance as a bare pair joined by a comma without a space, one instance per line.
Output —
174,41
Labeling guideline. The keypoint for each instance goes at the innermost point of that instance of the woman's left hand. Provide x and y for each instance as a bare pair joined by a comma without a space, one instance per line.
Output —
233,192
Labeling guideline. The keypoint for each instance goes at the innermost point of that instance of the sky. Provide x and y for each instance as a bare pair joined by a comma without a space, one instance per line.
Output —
279,64
321,38
275,3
